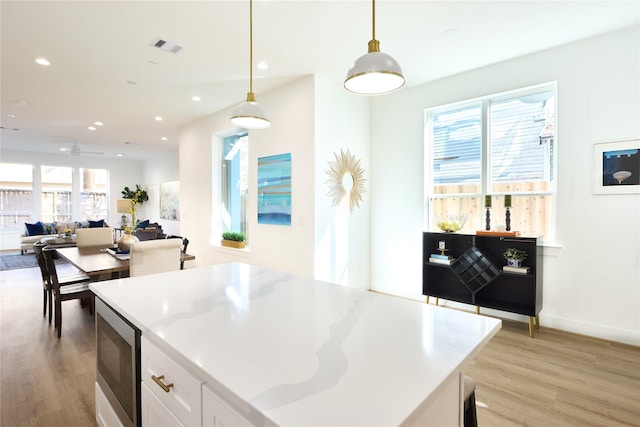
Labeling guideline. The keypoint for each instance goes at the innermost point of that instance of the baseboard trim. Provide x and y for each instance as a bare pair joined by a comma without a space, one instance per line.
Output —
553,322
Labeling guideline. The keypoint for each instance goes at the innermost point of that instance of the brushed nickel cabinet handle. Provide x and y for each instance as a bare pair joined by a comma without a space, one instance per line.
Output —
158,380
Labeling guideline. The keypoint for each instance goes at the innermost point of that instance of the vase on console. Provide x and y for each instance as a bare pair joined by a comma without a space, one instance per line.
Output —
136,198
124,244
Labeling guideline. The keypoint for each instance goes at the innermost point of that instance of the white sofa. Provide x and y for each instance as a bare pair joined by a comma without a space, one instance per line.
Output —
26,241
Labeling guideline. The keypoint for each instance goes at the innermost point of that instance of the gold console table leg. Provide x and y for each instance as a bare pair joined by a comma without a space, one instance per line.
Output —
477,309
531,326
437,300
537,321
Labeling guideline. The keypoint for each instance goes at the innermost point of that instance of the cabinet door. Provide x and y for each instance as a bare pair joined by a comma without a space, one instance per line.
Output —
154,413
176,388
216,413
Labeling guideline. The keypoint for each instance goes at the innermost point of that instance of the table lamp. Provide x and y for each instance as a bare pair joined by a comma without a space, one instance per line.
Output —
123,206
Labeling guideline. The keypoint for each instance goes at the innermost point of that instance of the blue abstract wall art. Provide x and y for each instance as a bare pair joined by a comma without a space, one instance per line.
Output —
274,189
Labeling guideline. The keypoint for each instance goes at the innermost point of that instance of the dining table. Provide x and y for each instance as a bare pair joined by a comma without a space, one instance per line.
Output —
95,261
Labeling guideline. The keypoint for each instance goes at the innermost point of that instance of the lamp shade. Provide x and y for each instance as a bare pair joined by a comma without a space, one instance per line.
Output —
123,205
250,114
374,73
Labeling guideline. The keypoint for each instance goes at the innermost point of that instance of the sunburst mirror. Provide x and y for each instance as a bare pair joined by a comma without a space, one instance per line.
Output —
346,182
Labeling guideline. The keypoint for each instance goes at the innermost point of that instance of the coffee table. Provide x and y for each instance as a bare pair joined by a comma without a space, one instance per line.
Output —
57,241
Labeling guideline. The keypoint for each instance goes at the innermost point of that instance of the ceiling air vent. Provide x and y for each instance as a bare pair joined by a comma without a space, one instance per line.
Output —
166,45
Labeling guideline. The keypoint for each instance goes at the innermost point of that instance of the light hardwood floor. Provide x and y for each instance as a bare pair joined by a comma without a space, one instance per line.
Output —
555,379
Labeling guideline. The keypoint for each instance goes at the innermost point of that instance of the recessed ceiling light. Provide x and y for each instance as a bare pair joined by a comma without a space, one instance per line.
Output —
195,98
13,116
20,103
91,128
42,61
164,138
262,65
119,154
98,123
158,119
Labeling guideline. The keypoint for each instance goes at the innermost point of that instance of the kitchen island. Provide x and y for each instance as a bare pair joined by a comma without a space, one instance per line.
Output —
276,349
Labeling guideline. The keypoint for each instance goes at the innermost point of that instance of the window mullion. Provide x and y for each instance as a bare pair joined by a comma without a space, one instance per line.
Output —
485,153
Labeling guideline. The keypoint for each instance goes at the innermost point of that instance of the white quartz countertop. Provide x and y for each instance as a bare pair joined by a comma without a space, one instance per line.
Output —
286,350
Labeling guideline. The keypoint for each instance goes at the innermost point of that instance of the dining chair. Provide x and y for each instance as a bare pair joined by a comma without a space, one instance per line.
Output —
154,256
185,243
99,236
47,291
66,292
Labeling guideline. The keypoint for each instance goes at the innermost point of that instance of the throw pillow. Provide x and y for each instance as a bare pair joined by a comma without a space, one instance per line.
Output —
50,228
96,224
34,229
142,224
81,225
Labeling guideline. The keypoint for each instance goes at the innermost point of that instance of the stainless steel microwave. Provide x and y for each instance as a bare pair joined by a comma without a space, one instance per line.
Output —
118,363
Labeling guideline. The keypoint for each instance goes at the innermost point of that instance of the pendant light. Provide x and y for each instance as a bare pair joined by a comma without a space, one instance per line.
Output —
250,114
374,73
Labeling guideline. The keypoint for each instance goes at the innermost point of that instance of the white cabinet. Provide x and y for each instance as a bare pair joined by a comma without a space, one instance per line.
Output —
173,386
171,396
105,415
154,413
216,413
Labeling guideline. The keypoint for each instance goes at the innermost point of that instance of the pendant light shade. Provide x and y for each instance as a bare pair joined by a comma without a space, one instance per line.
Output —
250,114
374,73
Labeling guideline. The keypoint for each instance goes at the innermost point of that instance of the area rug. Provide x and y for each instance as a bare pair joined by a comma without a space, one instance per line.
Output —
15,260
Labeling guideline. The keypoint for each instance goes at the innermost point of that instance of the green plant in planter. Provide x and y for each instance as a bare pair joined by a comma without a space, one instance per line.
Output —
513,253
234,236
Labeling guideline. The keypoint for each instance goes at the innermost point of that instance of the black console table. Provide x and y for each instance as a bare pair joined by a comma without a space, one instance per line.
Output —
474,273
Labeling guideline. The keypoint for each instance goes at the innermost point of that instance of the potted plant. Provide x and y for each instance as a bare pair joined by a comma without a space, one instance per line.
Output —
514,257
233,239
137,197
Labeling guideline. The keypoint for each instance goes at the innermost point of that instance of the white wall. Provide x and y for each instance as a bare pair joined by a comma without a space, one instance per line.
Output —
591,283
312,119
342,238
162,168
122,172
286,248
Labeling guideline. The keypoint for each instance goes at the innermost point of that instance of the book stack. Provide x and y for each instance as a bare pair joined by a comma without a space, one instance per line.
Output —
121,255
441,259
517,270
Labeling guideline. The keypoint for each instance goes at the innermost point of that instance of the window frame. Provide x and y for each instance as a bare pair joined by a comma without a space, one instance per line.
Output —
97,213
486,180
223,222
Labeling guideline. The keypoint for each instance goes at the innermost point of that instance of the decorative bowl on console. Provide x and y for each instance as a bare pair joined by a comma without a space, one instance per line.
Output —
450,223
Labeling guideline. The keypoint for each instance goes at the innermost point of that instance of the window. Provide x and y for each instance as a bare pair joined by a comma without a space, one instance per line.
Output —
234,182
498,145
16,188
56,193
94,185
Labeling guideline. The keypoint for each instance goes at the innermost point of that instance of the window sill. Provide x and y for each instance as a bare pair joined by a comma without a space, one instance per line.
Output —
244,252
552,249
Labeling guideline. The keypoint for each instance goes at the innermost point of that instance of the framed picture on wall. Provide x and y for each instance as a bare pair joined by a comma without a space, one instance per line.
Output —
616,167
170,200
274,189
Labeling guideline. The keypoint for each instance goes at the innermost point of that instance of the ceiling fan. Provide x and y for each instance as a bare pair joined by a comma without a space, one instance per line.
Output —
74,150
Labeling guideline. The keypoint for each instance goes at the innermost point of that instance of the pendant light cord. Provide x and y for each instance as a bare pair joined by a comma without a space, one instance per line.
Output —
251,46
373,18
